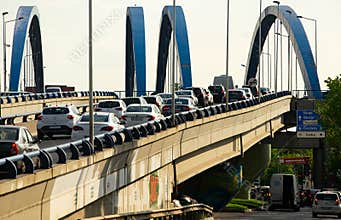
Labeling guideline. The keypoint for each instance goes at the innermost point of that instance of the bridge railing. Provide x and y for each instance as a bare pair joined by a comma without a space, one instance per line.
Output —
196,211
43,159
24,105
304,93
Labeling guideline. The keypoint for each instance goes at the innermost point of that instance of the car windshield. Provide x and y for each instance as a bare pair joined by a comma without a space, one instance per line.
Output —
138,108
166,95
235,94
129,101
215,89
177,101
55,111
108,104
97,118
326,196
150,100
9,133
183,92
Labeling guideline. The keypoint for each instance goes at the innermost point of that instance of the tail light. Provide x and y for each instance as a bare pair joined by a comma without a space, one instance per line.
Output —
107,128
40,117
165,108
186,108
123,117
151,118
70,117
14,149
98,109
77,128
316,202
337,202
119,109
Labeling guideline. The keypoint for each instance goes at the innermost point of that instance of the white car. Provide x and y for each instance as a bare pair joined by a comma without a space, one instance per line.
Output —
165,96
103,122
134,100
57,120
139,114
247,92
327,203
188,94
16,140
118,107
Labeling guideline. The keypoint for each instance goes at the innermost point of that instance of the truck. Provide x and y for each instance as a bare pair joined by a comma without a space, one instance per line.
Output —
221,80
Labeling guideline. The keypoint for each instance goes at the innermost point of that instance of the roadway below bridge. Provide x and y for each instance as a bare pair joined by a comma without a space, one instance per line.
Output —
305,213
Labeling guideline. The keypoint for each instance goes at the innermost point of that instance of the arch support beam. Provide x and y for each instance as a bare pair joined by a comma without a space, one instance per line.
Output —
167,24
297,37
28,26
135,52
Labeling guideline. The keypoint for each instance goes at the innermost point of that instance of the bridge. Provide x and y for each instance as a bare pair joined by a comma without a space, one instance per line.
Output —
144,167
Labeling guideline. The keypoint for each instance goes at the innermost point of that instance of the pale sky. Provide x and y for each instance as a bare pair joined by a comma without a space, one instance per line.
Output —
64,29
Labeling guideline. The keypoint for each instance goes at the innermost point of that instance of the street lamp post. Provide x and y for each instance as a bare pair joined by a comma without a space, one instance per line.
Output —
315,24
289,58
269,66
276,46
173,62
227,50
5,45
259,47
91,104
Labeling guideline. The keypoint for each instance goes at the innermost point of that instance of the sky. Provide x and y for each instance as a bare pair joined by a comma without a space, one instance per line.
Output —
64,30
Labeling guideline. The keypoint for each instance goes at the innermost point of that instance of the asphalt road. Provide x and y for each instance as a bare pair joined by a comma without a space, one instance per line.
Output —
305,213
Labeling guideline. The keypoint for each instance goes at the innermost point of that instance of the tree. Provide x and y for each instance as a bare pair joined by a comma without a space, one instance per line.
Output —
330,117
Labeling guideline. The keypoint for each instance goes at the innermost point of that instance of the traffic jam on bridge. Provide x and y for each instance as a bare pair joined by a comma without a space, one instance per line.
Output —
197,146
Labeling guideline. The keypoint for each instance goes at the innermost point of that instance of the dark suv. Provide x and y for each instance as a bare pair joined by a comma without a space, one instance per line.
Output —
218,92
200,94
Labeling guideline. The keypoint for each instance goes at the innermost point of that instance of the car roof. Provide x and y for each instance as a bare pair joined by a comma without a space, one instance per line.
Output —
111,100
11,126
99,113
141,105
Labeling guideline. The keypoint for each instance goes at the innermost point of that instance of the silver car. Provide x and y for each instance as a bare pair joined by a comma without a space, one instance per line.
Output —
16,140
139,114
118,107
327,203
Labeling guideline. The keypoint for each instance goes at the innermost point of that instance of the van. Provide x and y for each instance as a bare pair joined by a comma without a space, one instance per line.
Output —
284,192
221,80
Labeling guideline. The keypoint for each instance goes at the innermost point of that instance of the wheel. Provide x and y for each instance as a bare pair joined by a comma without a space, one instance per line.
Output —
339,215
314,215
40,135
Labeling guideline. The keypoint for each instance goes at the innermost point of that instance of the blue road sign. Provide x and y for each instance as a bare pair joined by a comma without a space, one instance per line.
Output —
307,120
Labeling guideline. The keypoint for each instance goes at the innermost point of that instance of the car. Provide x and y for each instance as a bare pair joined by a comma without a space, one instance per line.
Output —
116,106
253,89
182,104
264,90
134,100
138,114
247,92
57,120
165,96
327,203
209,97
154,99
218,92
16,140
236,95
53,89
103,122
188,94
200,94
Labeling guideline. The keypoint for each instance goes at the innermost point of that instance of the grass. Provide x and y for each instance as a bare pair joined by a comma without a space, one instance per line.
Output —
249,203
235,208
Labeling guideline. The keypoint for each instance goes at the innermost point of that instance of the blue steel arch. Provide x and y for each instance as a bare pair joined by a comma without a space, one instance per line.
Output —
182,46
28,26
135,52
299,40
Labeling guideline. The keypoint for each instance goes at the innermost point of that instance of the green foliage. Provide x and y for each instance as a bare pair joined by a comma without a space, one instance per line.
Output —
330,114
276,167
235,208
250,203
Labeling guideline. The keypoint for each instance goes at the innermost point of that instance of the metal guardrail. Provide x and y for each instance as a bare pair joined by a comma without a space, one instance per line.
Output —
73,150
45,96
304,93
196,211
